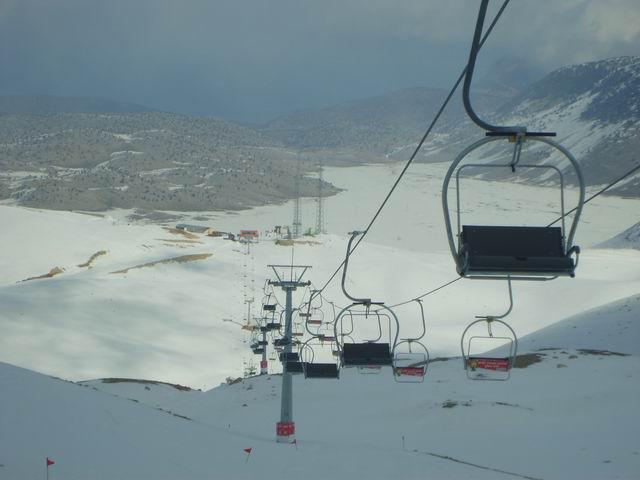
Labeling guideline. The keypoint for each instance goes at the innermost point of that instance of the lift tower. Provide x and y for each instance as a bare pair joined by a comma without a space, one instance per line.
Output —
297,215
320,205
285,428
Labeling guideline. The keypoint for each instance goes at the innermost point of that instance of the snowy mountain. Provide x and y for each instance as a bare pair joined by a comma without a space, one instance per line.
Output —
593,107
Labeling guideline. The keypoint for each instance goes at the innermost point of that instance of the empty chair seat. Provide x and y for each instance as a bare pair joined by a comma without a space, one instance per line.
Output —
320,370
274,326
281,342
293,367
366,354
289,357
507,250
269,308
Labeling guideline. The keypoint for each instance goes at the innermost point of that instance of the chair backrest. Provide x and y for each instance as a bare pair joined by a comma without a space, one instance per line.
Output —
513,241
366,354
289,357
321,370
294,367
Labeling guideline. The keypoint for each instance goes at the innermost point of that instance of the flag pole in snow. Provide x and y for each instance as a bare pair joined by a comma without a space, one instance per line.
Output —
48,463
248,452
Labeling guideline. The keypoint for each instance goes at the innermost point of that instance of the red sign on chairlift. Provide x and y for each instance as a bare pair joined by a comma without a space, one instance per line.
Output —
411,371
263,364
495,364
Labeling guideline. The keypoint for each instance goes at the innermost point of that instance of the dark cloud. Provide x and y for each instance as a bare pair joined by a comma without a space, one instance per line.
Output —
254,59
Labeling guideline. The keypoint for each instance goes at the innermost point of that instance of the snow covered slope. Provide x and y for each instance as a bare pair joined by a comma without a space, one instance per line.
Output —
571,412
630,238
166,321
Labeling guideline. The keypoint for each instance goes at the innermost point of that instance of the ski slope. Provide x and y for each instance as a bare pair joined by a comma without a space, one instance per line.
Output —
166,321
571,415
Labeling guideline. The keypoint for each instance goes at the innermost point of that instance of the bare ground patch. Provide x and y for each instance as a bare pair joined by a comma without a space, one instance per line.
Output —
290,243
146,382
52,273
606,353
181,259
177,231
524,360
178,241
92,258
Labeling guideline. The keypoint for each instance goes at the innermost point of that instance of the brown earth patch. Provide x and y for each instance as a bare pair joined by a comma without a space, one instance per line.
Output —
92,258
177,231
523,361
606,353
52,273
180,259
182,388
177,240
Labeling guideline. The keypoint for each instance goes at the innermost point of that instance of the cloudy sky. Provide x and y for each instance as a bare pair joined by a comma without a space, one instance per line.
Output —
251,60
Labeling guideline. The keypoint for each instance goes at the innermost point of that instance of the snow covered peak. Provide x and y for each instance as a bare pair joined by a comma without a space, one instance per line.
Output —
612,86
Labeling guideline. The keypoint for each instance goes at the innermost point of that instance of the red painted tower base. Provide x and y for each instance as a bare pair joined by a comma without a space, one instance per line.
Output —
285,432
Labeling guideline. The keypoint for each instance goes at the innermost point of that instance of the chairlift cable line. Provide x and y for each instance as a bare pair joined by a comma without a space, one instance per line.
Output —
421,142
444,285
634,169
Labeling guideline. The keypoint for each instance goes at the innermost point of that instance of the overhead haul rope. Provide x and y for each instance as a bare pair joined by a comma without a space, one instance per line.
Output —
451,282
418,147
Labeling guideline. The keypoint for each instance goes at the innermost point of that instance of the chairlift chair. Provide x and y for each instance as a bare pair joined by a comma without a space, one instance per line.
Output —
316,317
489,366
291,362
316,369
275,323
411,356
281,342
498,251
372,353
501,350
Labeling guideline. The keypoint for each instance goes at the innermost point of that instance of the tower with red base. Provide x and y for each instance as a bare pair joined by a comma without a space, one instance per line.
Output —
286,428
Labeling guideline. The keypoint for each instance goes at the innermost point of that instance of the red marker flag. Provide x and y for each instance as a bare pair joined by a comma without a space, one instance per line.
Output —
248,452
50,462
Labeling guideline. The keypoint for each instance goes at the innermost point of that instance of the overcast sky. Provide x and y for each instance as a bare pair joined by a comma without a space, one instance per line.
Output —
251,60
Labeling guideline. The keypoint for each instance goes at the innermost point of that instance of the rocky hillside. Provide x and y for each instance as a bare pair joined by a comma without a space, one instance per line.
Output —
50,104
62,157
152,161
594,107
380,126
